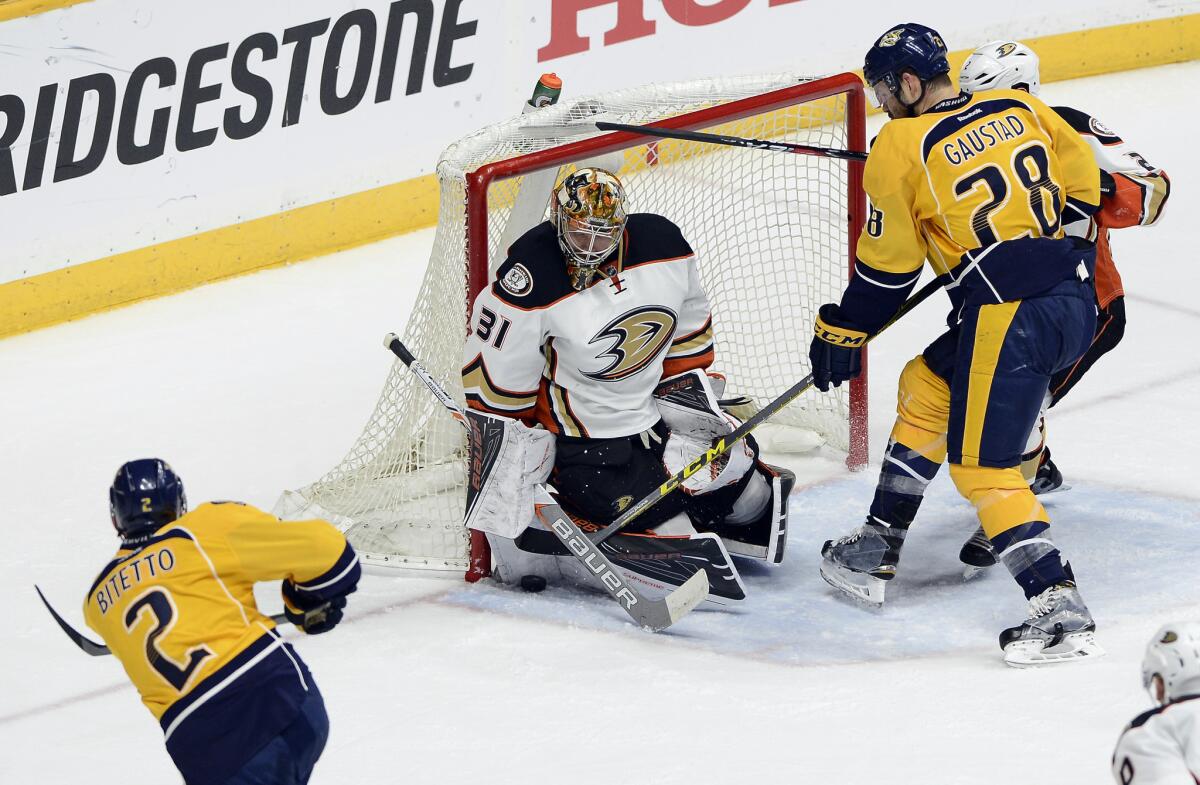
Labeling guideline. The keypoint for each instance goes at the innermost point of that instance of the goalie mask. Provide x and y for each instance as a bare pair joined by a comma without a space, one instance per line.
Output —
588,211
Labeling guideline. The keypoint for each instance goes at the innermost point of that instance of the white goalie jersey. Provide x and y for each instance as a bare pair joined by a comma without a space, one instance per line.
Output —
586,363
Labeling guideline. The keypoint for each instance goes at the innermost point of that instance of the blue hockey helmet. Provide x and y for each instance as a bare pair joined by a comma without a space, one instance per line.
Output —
905,47
145,495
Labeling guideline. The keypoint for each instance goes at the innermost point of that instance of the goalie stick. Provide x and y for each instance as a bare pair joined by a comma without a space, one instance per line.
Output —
650,614
734,141
723,444
88,645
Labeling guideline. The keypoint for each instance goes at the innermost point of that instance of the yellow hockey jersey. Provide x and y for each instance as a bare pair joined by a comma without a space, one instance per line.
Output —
949,185
180,606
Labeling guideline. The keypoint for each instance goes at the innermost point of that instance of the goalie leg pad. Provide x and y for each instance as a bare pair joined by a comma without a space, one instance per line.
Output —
506,462
765,536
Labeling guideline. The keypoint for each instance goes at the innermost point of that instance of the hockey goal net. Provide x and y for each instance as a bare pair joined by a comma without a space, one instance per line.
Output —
774,234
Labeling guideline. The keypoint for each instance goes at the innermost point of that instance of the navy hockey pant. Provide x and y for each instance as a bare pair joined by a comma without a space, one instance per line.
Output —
288,759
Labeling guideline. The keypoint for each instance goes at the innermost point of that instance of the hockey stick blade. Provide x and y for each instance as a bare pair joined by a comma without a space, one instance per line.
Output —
653,615
726,442
734,141
90,646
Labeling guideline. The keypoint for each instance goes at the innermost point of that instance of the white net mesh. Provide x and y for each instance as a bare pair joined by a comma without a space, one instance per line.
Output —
771,234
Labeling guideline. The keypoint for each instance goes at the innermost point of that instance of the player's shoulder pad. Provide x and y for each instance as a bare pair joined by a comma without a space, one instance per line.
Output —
1084,123
1146,716
653,238
534,275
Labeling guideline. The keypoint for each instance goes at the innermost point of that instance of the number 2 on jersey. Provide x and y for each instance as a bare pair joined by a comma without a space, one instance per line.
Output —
158,602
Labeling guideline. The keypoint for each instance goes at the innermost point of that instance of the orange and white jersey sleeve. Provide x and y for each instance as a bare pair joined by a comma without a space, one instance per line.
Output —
1140,189
692,347
504,358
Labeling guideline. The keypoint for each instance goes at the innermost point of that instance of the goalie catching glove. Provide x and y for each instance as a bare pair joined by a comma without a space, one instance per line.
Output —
836,349
690,410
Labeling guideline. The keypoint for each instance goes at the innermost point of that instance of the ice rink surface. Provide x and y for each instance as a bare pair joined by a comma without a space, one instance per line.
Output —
260,384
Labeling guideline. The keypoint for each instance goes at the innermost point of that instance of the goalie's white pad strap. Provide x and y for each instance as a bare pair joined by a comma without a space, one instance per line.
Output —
506,462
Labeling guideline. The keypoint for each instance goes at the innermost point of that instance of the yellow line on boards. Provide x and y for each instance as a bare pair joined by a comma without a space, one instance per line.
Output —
15,9
170,267
1104,50
367,217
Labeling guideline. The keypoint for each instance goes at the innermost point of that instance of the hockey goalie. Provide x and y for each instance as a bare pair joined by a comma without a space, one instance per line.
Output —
586,366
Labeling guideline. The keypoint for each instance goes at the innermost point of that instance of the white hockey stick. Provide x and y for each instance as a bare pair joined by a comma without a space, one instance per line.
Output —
649,614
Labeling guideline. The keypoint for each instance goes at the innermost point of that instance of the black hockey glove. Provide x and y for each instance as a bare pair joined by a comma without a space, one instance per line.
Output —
310,614
836,349
1108,185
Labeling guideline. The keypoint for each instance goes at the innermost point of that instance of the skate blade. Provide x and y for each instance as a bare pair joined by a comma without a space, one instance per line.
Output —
1059,489
1029,654
970,571
860,587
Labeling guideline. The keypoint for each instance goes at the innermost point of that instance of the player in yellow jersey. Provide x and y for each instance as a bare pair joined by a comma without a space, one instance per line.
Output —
176,606
980,187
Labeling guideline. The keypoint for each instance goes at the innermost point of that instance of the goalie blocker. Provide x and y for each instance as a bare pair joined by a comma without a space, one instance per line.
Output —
736,506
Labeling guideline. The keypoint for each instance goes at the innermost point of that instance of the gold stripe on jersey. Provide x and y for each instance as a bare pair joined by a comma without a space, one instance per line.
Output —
477,384
560,401
990,332
1157,189
694,342
554,403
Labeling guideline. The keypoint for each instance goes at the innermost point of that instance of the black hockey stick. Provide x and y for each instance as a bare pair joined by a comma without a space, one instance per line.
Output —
650,614
88,645
723,444
734,141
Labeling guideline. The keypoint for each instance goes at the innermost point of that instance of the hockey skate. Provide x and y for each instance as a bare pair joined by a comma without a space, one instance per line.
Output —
1048,479
861,564
1059,628
977,554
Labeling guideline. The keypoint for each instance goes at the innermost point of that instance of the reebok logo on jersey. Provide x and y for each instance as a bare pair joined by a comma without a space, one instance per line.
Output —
635,339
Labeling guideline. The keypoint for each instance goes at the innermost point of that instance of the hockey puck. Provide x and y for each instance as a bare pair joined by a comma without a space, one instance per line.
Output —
533,583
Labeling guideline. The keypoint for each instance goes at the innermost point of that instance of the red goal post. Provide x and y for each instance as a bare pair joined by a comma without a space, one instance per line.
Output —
479,181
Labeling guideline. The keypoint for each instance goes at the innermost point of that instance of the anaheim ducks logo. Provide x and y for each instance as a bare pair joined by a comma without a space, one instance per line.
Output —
1005,50
637,337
